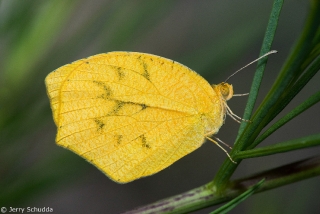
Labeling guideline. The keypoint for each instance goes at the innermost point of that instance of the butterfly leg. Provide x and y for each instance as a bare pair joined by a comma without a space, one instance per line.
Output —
234,116
215,142
227,145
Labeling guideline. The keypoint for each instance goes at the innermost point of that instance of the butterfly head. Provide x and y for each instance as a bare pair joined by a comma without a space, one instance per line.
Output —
226,90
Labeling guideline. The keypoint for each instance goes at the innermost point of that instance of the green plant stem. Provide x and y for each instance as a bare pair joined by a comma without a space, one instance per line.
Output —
301,143
205,196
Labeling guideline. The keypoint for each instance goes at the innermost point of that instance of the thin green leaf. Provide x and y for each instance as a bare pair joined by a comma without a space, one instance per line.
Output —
261,65
300,143
292,114
233,203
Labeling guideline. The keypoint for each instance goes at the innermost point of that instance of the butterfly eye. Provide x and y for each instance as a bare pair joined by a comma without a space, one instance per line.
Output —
226,90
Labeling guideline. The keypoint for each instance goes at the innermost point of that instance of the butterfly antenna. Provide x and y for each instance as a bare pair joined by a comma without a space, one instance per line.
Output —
269,53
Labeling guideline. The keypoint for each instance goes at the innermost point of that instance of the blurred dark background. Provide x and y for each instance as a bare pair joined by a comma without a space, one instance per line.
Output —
214,38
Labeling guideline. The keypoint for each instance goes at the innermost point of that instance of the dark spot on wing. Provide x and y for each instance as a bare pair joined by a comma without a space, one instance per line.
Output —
120,104
146,72
107,89
117,107
145,68
99,123
143,106
120,73
118,138
144,142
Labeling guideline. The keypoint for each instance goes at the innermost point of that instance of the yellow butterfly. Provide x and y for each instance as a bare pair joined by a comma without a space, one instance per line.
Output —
134,114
